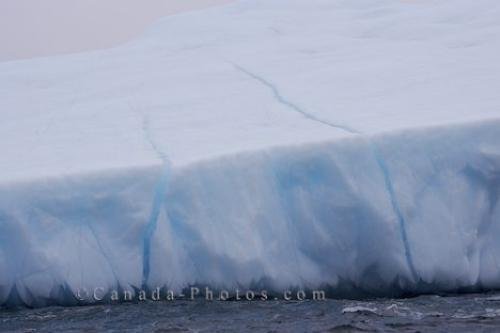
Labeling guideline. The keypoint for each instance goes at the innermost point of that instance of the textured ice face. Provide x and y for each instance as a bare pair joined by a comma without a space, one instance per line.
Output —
311,216
345,144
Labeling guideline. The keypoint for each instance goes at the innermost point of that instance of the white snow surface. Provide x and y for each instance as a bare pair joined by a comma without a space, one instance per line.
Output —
348,144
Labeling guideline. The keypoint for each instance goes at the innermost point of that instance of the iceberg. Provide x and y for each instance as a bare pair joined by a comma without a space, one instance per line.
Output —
348,145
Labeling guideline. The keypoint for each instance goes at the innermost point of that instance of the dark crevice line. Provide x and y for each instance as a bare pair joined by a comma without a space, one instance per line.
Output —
158,202
282,100
159,196
397,209
378,157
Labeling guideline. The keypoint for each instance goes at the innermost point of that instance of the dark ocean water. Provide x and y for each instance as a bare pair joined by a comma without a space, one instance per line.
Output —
463,313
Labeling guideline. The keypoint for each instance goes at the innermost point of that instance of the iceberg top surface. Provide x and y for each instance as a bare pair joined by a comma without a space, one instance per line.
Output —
247,76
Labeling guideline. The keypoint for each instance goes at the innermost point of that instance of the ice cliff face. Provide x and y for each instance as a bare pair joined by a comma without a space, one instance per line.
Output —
342,144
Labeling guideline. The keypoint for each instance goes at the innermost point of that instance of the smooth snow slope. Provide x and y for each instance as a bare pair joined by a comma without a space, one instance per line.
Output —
349,144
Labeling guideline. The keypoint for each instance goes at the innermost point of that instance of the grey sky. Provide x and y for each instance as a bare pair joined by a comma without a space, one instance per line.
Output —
32,28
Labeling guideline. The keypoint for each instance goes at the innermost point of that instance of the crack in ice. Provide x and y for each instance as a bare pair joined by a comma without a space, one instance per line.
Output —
282,100
103,252
378,158
397,209
158,201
